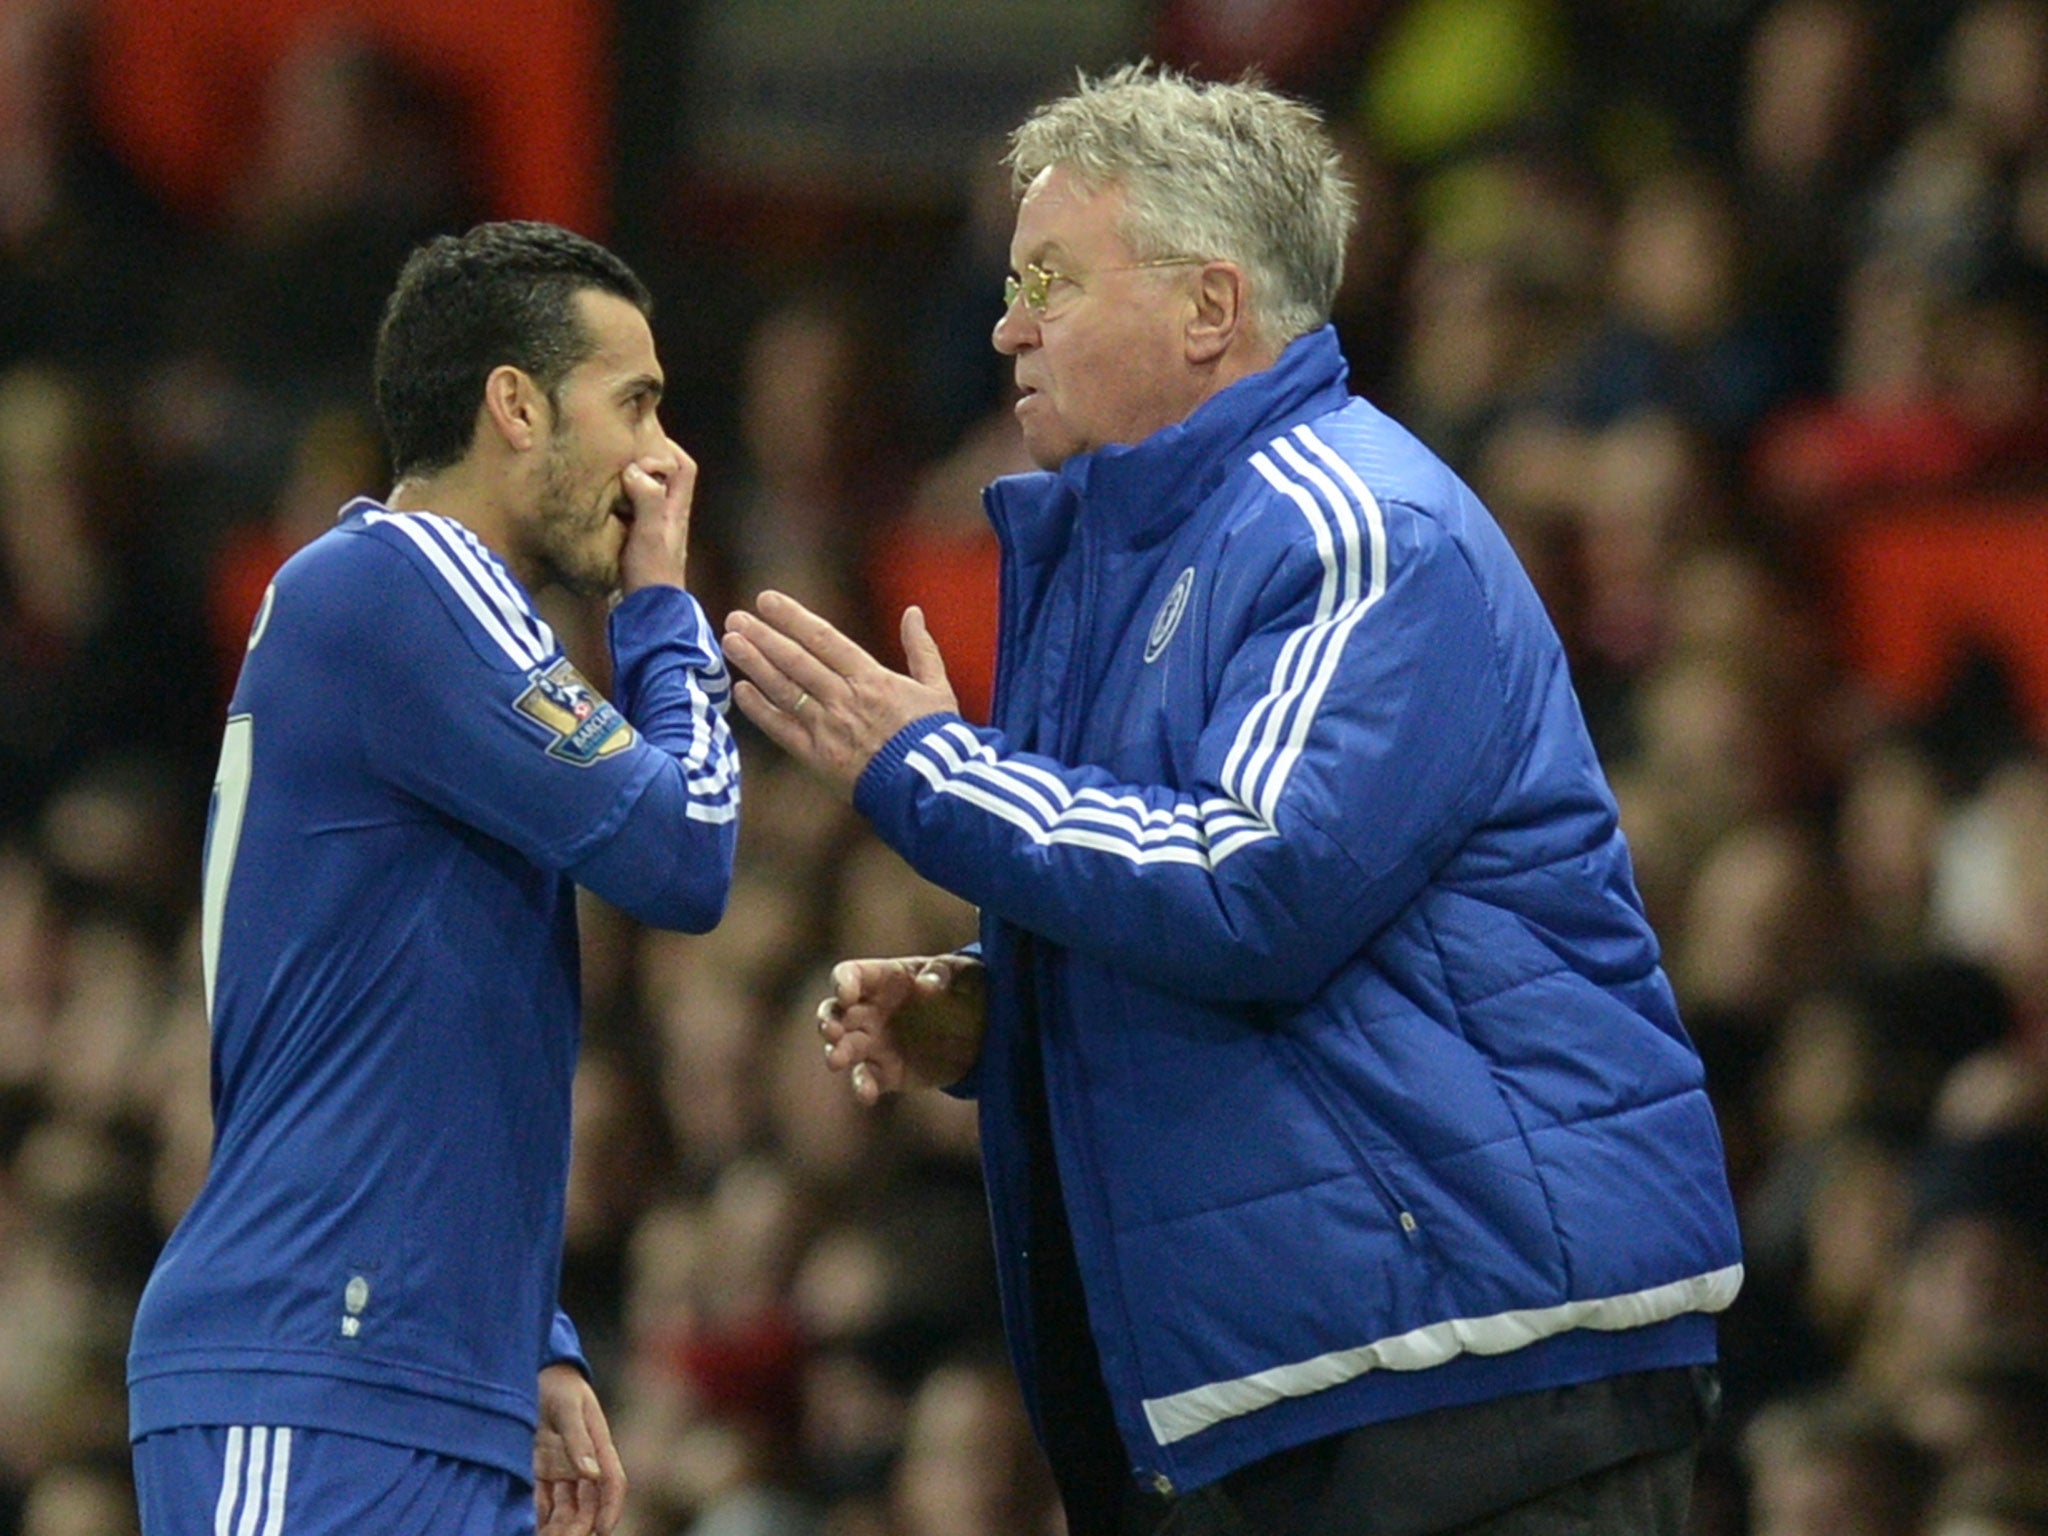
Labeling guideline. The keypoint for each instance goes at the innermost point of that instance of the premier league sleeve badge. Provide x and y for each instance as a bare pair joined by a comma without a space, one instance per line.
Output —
582,723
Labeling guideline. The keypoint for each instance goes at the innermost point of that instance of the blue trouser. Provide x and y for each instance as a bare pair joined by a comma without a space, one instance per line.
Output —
271,1480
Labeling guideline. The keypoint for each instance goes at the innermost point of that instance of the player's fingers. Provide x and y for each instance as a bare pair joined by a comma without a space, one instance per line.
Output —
569,1519
550,1459
742,650
867,1083
778,725
565,1516
577,1457
611,1488
848,981
604,1452
680,490
874,1067
831,1019
817,636
582,1505
852,1047
882,984
682,473
837,1022
922,651
645,491
777,681
950,974
864,1018
790,656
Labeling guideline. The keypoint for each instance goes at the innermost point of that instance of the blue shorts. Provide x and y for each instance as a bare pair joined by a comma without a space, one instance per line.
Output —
257,1480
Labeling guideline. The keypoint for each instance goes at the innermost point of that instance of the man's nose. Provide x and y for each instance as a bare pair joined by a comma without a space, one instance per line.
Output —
1016,330
655,443
660,455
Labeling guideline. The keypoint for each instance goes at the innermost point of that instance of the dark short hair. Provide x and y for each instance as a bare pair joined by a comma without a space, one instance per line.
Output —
503,293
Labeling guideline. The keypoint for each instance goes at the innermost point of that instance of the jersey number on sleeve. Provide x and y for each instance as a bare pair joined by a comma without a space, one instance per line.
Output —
223,835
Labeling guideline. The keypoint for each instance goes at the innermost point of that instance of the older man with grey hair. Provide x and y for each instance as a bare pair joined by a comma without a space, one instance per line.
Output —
1349,1166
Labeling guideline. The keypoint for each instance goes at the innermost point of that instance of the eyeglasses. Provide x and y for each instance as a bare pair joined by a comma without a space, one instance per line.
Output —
1035,287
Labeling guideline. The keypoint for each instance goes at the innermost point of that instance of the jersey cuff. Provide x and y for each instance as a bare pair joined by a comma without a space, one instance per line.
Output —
873,783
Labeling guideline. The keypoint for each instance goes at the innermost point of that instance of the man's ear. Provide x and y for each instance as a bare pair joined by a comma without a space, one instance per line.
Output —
1219,315
515,407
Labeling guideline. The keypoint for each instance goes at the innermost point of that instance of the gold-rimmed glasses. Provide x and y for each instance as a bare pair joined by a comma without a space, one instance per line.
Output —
1035,287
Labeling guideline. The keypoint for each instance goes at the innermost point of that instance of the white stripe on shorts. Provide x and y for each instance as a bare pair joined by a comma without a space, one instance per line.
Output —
242,1481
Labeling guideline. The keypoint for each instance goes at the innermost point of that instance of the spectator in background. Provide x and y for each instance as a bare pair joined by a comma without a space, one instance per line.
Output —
1309,48
84,251
621,1162
1499,292
941,555
337,458
816,476
87,1497
1983,1412
968,1468
1974,1273
1447,76
1939,357
1811,126
1994,1505
1833,1465
955,379
362,156
1677,336
1991,884
1994,75
99,657
1886,825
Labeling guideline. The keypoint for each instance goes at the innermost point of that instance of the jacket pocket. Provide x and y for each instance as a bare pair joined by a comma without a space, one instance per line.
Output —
1342,1123
1429,1125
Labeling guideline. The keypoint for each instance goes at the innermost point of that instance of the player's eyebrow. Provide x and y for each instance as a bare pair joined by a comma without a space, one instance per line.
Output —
1047,254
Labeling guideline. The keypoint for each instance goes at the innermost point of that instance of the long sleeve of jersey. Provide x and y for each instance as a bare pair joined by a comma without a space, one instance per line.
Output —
565,1344
1357,735
637,802
672,685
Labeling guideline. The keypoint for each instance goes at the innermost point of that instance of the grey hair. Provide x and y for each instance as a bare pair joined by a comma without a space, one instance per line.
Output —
1227,171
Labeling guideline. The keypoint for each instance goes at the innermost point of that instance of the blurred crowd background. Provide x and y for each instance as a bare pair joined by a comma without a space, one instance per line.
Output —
1735,311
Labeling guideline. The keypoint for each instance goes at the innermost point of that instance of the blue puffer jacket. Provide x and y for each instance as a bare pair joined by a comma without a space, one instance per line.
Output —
1294,857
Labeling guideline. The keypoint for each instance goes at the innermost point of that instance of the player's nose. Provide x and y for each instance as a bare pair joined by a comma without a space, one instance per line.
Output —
663,460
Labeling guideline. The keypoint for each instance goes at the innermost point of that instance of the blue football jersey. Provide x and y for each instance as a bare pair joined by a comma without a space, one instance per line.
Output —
413,777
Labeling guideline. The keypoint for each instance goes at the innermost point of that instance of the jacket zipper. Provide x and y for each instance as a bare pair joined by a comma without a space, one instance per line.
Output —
1311,1077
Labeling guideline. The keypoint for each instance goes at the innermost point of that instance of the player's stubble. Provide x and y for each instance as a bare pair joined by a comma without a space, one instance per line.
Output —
578,546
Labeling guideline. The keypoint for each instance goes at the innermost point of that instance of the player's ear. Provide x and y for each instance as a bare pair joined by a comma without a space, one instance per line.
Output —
515,407
1217,317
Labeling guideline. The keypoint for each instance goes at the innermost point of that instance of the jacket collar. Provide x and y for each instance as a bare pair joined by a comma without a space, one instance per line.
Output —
1138,492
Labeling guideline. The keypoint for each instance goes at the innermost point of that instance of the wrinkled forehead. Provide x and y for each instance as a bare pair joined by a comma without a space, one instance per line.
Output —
1062,218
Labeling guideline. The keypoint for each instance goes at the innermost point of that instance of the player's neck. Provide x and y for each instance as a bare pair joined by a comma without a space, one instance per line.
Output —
458,492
